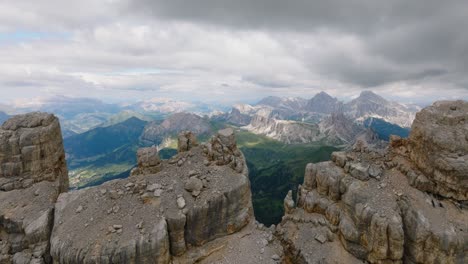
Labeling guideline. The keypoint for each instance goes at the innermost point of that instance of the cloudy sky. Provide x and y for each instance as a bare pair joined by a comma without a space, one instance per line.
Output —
233,51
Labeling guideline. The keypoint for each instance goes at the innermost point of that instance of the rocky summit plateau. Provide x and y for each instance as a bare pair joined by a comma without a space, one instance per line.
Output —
405,203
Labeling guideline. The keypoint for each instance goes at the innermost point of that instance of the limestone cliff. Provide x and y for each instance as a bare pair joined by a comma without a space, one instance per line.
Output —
32,174
377,206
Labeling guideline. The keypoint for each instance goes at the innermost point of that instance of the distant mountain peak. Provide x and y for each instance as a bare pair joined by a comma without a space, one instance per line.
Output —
371,96
323,103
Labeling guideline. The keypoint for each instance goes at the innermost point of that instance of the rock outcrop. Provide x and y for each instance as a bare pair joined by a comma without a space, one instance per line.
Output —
374,206
222,150
184,211
186,140
148,161
438,146
32,174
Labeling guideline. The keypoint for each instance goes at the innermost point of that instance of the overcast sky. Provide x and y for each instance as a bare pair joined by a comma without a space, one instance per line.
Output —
233,51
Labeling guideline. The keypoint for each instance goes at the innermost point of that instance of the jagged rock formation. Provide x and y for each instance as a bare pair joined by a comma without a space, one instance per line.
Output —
148,161
284,130
323,103
222,150
336,129
186,140
32,174
369,104
362,206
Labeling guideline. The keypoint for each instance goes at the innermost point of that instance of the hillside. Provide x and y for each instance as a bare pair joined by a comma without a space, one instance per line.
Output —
275,168
103,152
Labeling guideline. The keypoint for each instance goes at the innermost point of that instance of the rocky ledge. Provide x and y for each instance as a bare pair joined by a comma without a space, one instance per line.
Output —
401,205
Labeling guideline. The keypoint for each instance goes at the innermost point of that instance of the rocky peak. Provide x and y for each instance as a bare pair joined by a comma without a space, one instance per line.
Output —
323,103
371,96
377,205
369,104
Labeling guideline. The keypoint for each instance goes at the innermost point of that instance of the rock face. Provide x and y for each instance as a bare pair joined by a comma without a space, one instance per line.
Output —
148,161
158,217
32,174
32,151
439,147
362,205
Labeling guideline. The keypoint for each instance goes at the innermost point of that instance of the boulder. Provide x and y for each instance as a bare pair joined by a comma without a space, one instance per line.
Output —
185,141
148,161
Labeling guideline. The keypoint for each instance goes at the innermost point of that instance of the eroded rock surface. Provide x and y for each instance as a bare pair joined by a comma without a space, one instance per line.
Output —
32,174
222,150
151,218
377,206
148,161
438,146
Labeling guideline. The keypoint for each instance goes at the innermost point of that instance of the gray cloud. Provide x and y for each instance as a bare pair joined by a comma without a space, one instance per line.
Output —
138,48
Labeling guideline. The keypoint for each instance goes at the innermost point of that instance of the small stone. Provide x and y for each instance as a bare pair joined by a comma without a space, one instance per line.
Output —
321,238
192,173
116,209
103,191
113,194
206,162
139,225
181,202
117,226
129,185
185,211
153,187
275,257
180,162
157,193
36,192
79,209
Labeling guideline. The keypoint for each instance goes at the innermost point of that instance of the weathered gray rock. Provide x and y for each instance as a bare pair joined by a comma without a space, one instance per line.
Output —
152,228
148,161
185,141
32,151
439,147
222,150
366,199
288,203
32,174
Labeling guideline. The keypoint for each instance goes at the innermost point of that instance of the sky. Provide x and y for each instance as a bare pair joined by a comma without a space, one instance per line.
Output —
233,51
